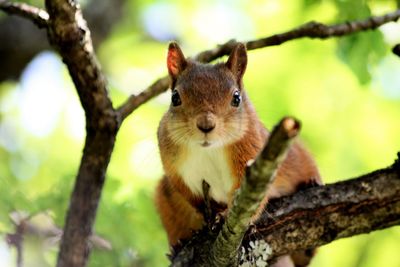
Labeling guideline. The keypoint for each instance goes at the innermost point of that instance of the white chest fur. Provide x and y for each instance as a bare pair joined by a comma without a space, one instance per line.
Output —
211,165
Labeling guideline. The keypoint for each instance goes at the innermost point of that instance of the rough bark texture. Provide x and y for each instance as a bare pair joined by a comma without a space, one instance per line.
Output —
252,191
319,215
315,216
69,34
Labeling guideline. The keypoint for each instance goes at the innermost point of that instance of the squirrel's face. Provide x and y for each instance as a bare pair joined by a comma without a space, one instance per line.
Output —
208,104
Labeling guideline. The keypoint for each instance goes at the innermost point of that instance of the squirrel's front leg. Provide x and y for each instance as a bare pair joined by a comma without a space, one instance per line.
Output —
178,216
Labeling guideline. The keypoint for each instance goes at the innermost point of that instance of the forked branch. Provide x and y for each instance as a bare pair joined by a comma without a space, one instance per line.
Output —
222,249
316,216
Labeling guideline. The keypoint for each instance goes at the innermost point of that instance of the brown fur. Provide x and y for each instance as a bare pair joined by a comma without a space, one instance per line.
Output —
206,90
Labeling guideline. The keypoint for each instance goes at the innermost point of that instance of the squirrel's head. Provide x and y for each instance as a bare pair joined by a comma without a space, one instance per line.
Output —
208,103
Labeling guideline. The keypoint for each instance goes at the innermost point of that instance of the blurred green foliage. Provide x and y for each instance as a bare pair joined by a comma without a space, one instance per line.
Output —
345,91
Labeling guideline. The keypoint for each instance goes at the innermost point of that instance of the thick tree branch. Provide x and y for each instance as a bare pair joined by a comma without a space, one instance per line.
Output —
34,14
317,216
310,30
69,34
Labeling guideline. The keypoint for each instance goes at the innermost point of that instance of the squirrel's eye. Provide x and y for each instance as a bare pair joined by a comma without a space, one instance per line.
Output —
175,98
236,99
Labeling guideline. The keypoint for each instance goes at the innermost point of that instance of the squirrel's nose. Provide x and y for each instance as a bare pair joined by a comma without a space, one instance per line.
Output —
206,123
205,129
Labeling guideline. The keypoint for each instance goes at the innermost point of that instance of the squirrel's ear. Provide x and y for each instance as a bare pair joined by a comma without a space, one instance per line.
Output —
237,61
176,61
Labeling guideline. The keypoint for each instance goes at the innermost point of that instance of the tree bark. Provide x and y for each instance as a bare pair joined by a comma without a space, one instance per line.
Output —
249,196
315,216
68,33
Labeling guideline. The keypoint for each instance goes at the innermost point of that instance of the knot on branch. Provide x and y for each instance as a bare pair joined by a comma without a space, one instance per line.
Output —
107,121
316,29
68,36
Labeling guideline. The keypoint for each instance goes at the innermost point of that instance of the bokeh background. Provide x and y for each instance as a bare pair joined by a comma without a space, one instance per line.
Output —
345,91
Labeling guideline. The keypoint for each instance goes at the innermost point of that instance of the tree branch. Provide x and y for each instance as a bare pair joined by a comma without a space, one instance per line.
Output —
69,34
316,216
220,248
252,191
134,101
34,14
310,30
319,215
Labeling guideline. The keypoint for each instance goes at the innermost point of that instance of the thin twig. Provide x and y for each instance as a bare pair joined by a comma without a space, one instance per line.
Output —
38,16
310,30
134,101
16,240
207,201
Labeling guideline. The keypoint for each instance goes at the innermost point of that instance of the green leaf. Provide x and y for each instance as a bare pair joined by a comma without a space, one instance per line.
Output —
359,51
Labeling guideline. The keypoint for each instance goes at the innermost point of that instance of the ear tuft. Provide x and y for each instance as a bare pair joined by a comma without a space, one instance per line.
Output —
237,61
176,61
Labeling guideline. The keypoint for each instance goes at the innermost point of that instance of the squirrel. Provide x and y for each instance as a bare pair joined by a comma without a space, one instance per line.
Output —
210,132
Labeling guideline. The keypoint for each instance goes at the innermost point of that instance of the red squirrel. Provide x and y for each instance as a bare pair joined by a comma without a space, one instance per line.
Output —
210,132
